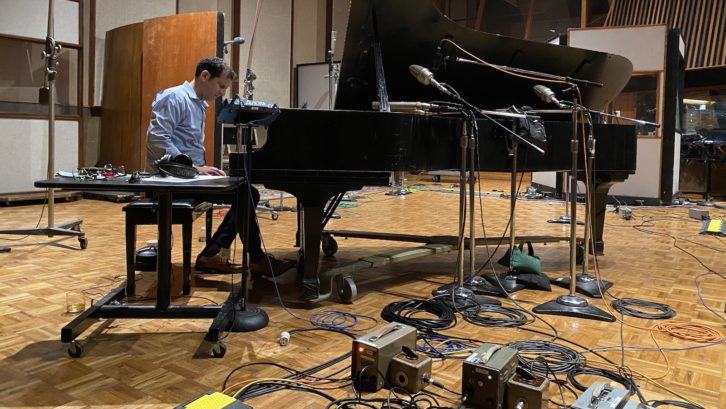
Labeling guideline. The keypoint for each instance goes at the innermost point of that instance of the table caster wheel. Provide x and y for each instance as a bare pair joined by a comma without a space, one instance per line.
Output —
83,242
347,290
330,245
75,349
219,349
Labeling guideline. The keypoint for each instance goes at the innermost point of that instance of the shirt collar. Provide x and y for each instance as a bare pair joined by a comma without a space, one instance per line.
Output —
187,87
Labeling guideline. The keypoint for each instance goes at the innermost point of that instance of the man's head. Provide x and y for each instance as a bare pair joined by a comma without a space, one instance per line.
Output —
212,78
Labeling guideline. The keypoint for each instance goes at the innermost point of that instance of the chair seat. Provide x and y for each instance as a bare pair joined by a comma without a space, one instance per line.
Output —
144,211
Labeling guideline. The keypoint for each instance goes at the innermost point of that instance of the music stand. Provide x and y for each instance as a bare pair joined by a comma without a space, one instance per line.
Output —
47,95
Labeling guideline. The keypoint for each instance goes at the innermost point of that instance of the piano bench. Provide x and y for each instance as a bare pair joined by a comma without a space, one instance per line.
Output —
184,212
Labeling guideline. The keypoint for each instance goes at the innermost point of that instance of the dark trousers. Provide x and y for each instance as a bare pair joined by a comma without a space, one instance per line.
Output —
227,230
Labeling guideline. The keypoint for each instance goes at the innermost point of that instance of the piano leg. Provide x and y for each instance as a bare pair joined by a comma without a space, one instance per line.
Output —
312,201
599,201
312,226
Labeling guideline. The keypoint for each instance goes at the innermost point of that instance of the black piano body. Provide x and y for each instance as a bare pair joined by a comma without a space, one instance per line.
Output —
318,155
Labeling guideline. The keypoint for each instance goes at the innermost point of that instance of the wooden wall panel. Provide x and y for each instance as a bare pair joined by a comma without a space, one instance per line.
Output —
171,49
702,24
121,124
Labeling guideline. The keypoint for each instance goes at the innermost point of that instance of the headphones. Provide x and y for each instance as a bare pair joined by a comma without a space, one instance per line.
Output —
179,166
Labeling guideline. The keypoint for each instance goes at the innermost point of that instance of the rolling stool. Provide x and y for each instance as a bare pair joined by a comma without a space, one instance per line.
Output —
184,212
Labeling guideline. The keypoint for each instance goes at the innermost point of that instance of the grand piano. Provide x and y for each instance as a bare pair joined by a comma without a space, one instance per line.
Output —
318,155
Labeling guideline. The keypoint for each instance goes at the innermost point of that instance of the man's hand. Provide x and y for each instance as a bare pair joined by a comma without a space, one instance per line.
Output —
210,170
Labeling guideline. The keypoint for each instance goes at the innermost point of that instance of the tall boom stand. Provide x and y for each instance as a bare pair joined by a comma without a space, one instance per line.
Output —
572,305
586,283
456,295
47,95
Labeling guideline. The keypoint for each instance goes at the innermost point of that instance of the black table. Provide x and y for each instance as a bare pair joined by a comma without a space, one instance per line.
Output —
110,306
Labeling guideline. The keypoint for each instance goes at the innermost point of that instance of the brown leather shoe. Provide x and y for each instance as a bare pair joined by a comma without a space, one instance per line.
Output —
216,264
279,266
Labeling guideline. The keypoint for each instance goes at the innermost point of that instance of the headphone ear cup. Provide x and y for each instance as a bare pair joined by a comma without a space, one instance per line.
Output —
183,159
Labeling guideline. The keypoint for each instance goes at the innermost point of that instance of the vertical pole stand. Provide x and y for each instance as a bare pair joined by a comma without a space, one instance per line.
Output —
455,295
245,318
585,283
572,305
67,229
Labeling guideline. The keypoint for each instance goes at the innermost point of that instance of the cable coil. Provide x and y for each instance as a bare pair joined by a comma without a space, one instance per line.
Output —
625,307
404,311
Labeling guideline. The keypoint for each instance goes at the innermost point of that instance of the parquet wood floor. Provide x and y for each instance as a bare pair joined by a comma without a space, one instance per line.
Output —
161,363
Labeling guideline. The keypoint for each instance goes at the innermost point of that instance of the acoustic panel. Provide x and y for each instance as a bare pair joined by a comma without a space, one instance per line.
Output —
25,152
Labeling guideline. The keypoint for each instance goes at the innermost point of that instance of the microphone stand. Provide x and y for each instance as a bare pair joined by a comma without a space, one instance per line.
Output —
572,305
332,72
455,295
508,281
67,229
586,283
245,318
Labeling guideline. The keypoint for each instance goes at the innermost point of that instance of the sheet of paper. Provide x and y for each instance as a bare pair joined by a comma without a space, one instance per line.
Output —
171,179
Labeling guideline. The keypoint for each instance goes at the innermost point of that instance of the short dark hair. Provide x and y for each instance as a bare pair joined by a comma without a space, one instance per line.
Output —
216,68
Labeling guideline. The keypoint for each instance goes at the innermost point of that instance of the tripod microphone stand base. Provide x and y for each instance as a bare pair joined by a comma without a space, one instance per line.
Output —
460,298
505,281
479,285
585,284
573,306
248,319
67,229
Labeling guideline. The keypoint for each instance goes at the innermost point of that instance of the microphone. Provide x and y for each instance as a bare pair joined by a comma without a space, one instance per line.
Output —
426,77
547,95
236,40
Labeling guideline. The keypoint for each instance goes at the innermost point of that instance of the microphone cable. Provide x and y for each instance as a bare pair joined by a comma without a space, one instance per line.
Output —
488,315
625,306
405,312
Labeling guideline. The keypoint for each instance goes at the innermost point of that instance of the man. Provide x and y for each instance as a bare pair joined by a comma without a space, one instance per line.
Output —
177,127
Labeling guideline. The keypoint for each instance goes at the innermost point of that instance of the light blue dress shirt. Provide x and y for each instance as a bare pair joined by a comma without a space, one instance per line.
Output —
177,125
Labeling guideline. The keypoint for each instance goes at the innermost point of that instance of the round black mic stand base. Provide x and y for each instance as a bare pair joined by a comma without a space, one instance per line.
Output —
585,284
479,285
460,298
248,319
505,281
573,306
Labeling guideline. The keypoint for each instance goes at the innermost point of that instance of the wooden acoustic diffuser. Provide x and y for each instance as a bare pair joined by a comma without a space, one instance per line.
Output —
141,60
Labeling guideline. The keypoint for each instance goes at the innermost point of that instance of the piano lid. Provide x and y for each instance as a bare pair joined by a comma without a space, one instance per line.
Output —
409,32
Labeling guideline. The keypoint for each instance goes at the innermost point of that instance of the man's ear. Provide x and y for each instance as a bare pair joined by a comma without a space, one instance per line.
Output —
205,75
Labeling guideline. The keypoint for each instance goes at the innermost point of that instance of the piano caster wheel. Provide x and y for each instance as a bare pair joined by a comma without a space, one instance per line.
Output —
436,178
83,242
330,245
219,349
75,349
347,291
275,216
